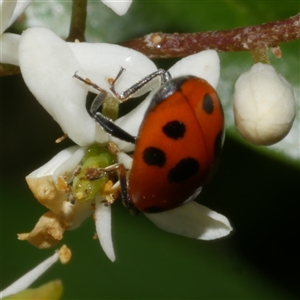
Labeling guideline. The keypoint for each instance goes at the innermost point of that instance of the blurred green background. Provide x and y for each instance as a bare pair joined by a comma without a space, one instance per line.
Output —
257,188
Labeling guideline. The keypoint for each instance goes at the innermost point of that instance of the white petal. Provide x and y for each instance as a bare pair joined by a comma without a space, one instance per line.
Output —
103,228
20,7
120,7
6,12
194,221
48,66
51,166
125,159
25,281
102,61
205,64
68,165
10,11
76,214
10,48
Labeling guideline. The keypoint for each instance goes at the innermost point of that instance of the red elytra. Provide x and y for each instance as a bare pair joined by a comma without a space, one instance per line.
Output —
177,145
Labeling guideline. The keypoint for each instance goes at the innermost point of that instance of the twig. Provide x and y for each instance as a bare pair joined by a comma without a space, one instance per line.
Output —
164,45
77,26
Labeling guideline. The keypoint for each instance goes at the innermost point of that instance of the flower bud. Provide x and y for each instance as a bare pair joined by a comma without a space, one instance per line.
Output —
264,105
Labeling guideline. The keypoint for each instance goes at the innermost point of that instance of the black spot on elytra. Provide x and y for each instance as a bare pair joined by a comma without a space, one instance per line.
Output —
208,104
174,129
154,156
187,167
218,143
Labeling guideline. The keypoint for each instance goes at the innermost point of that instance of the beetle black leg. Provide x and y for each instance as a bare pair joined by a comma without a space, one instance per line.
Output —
107,124
121,171
124,189
164,75
97,102
110,127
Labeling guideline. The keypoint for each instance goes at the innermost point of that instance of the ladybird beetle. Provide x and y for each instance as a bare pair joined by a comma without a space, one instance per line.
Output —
177,146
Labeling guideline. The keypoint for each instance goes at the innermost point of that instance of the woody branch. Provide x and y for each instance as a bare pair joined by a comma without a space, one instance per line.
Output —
164,45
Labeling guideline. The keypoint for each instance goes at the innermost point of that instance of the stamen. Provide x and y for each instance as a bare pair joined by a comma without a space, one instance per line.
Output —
26,280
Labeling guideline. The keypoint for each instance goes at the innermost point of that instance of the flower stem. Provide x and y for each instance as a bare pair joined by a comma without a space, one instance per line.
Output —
260,54
164,45
78,19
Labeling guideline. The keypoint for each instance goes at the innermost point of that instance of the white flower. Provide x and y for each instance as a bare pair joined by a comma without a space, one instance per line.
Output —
49,186
120,7
63,96
48,65
264,105
9,12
